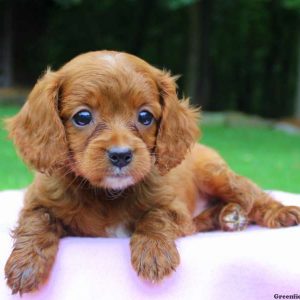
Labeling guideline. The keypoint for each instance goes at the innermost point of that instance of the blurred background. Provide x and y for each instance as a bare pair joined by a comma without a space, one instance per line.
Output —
239,61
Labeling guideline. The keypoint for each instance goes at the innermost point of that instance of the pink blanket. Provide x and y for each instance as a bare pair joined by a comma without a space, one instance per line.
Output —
258,263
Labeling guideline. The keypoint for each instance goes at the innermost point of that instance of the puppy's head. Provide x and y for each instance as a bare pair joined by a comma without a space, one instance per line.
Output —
109,117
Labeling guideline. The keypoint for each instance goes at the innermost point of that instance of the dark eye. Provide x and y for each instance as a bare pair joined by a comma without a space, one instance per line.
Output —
82,118
145,117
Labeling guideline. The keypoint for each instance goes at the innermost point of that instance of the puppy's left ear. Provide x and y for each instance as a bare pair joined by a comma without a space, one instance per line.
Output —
178,128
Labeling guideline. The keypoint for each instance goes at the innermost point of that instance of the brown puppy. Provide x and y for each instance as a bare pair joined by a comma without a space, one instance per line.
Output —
115,152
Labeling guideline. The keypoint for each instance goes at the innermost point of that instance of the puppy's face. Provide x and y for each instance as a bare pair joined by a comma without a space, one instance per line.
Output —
109,116
111,112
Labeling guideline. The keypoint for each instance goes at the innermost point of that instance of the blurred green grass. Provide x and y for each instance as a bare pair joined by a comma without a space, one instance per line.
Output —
13,173
269,157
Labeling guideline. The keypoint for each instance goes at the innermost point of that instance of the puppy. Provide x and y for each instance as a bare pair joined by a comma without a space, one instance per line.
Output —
115,153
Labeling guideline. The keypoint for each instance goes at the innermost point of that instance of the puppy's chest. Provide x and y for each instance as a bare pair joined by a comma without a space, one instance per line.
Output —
98,221
100,228
120,230
105,217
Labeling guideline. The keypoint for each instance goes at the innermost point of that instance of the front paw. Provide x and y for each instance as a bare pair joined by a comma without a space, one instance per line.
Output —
153,258
25,271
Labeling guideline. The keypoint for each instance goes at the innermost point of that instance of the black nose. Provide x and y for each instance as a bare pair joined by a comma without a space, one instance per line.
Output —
120,156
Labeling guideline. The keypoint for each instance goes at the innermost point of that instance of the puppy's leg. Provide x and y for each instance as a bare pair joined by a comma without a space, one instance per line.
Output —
228,217
270,213
209,219
222,183
153,251
35,245
260,207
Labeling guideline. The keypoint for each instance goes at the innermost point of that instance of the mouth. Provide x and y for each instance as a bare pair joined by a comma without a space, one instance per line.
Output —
118,182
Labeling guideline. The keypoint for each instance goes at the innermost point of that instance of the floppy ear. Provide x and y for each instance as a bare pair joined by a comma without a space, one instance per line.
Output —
37,130
178,129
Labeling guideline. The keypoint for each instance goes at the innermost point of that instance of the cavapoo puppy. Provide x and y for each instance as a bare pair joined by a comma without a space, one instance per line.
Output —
115,153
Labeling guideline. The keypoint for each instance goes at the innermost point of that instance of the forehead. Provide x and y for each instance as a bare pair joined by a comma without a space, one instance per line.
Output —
108,82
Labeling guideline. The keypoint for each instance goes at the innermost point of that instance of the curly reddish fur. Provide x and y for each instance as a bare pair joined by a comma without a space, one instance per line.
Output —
77,191
37,130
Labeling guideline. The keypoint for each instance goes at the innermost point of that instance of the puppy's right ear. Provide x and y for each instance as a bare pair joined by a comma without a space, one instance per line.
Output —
37,130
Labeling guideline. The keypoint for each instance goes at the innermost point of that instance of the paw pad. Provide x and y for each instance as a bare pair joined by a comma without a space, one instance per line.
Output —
232,218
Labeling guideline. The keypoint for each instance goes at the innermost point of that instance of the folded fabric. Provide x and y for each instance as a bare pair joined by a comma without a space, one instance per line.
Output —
258,263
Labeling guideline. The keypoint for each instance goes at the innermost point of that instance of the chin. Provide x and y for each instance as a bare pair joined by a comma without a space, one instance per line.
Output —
117,182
